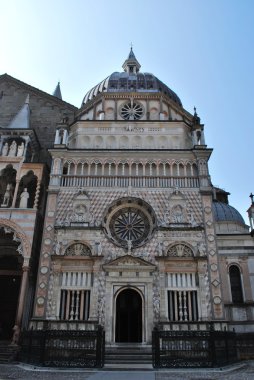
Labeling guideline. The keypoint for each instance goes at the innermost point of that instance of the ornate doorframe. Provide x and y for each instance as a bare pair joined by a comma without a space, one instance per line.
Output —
140,289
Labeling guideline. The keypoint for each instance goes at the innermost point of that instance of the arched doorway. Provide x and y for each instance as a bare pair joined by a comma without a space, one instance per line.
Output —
10,278
128,316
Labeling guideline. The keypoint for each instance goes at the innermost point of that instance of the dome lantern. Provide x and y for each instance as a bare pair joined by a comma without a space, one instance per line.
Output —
131,64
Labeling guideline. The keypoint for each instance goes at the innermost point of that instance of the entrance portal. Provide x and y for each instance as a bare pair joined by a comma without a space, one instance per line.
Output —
10,278
128,316
9,292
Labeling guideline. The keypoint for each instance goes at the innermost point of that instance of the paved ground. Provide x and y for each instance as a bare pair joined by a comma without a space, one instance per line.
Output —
244,371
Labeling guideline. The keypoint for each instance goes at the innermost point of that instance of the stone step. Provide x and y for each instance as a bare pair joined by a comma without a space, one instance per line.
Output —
128,356
128,367
8,353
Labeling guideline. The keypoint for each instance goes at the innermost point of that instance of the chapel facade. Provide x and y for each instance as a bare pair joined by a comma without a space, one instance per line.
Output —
135,235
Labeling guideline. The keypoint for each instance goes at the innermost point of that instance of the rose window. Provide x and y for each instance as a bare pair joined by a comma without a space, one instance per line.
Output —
130,222
132,111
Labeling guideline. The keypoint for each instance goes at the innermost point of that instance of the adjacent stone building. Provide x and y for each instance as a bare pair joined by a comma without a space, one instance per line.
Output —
135,234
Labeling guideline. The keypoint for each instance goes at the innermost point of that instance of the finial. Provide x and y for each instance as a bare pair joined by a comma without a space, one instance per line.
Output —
57,92
196,119
252,197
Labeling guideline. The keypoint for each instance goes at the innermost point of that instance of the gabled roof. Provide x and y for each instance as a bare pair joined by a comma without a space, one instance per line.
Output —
36,91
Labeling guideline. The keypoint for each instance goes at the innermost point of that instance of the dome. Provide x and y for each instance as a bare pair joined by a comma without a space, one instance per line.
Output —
131,80
224,212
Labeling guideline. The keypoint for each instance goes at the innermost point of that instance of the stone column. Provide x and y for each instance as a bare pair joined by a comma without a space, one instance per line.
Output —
65,137
22,294
25,149
37,193
15,193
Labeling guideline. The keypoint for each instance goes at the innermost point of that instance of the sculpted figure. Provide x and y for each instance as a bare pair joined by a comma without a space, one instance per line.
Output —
58,248
129,245
13,149
7,195
98,248
21,148
5,149
24,196
201,248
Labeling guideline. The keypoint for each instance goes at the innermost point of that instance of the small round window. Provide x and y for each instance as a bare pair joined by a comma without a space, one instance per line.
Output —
132,111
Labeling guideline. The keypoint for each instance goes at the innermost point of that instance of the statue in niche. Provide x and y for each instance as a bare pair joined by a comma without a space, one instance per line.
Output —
98,248
13,149
21,149
201,249
58,248
24,196
7,195
177,214
5,149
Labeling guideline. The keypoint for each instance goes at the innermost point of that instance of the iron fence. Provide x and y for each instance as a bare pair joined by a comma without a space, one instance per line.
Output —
61,348
172,349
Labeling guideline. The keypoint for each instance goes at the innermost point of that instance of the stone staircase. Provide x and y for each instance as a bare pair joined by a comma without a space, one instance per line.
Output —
129,356
8,352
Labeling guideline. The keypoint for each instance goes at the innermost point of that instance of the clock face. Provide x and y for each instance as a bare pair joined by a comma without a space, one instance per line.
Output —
132,111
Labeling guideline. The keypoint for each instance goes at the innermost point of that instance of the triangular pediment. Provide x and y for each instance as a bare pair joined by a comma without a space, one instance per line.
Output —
129,262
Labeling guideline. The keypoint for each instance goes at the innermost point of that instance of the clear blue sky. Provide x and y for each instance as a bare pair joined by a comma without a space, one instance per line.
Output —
201,49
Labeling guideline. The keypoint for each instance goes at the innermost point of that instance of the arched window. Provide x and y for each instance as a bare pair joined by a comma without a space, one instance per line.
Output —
78,249
236,284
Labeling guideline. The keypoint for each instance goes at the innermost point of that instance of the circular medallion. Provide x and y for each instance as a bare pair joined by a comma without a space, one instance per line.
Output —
40,301
217,300
132,111
44,270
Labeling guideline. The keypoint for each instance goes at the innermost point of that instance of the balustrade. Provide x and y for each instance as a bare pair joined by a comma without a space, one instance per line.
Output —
125,181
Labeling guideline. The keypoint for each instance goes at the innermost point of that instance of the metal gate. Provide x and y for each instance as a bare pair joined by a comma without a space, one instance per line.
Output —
63,348
172,349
